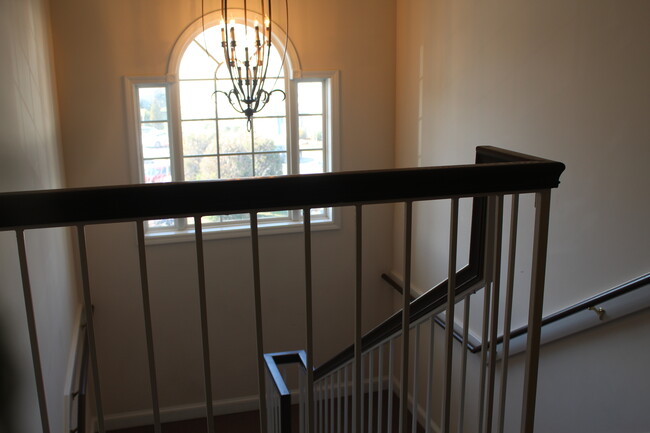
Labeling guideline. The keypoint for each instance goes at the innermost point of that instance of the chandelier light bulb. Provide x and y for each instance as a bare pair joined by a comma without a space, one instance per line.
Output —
247,59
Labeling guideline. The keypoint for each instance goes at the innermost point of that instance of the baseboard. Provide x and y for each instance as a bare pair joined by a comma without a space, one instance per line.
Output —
421,411
180,412
197,410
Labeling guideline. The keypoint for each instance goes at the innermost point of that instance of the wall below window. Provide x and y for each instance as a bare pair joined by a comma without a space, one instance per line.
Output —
96,44
29,159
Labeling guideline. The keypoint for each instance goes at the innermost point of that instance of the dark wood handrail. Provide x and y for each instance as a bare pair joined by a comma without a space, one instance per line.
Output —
466,279
53,208
594,301
440,322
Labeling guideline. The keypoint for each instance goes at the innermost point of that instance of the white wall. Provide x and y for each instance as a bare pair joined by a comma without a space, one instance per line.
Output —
96,44
29,159
566,80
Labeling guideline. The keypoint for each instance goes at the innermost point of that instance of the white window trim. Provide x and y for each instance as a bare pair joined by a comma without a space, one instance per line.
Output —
171,82
295,225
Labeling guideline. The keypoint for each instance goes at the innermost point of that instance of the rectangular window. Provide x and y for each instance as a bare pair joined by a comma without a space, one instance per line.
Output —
187,132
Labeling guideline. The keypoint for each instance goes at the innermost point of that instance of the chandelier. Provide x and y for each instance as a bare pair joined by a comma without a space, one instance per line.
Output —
247,52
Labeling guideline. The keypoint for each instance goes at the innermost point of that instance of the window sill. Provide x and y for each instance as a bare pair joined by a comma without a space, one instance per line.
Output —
241,231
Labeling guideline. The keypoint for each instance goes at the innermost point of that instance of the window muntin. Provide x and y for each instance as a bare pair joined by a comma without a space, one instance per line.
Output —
216,140
207,139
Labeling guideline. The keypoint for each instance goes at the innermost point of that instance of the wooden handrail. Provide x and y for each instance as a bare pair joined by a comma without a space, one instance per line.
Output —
594,301
53,208
466,279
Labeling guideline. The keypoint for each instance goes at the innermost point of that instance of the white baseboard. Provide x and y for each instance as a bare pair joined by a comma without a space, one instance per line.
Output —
180,412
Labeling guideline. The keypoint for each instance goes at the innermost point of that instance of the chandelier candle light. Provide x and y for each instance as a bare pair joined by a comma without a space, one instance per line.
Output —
247,53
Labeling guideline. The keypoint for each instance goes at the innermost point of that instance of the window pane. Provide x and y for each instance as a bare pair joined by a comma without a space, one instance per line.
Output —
199,137
276,64
310,98
157,170
311,132
235,166
271,164
196,63
311,161
153,103
155,140
197,99
234,137
273,214
270,134
201,168
223,72
159,224
210,219
235,217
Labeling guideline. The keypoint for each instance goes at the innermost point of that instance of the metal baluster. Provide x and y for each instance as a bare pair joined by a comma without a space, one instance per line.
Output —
463,377
507,319
416,355
389,423
540,244
486,307
31,326
380,388
338,401
269,417
432,326
278,413
146,305
496,287
200,263
451,303
332,404
363,392
357,323
406,303
301,399
370,390
319,416
327,403
90,327
346,410
306,214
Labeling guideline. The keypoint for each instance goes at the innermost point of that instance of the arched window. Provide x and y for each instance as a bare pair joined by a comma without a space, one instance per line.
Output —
185,129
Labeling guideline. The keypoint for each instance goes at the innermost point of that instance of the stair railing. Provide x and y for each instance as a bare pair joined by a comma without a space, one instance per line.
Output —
492,178
385,404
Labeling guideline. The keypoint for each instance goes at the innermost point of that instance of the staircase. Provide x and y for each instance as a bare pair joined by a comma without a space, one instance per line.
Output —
412,371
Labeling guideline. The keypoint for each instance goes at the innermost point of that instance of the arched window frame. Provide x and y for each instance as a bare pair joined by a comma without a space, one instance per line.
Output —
181,230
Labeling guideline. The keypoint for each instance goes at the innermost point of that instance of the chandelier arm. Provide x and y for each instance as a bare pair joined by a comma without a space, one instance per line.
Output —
240,103
230,100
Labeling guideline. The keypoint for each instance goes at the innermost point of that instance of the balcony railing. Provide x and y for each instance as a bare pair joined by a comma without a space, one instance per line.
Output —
497,174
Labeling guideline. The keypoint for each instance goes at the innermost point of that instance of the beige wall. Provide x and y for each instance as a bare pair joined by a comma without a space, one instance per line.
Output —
96,45
29,159
566,80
